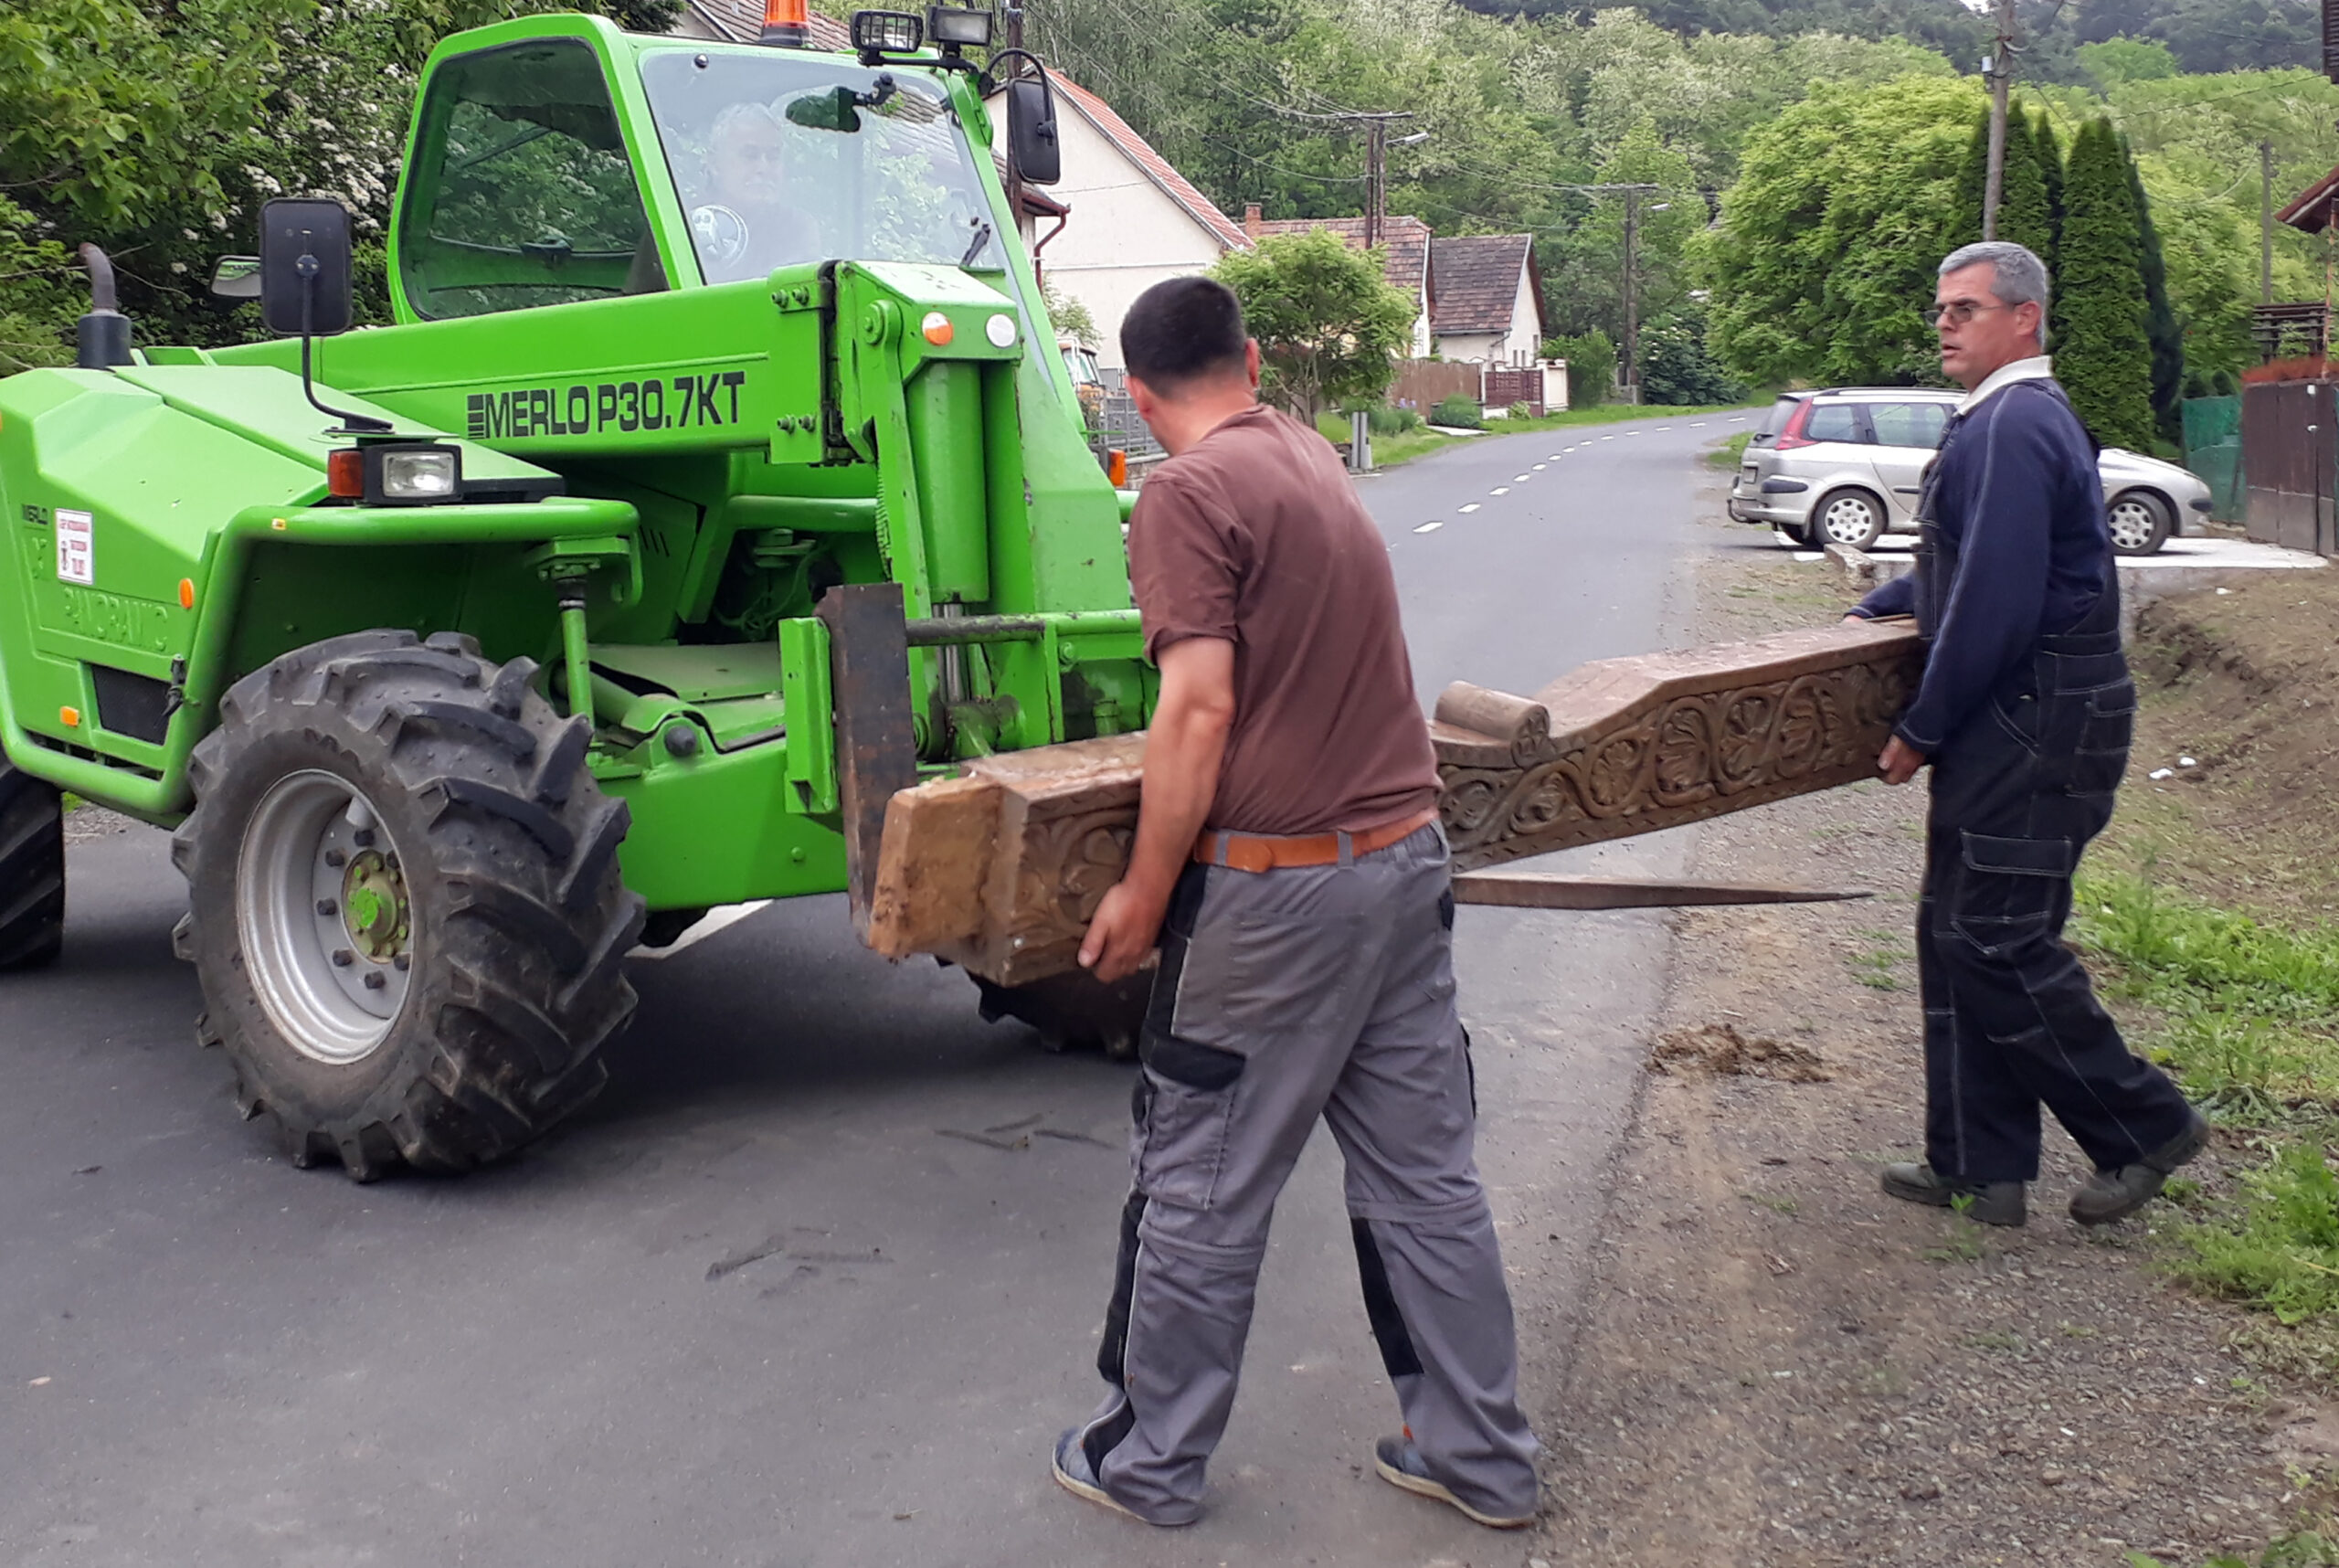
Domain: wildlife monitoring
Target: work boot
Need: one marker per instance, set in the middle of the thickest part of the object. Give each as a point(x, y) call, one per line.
point(1994, 1202)
point(1399, 1464)
point(2111, 1195)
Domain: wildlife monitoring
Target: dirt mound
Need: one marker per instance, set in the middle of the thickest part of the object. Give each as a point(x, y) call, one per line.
point(2246, 730)
point(1719, 1050)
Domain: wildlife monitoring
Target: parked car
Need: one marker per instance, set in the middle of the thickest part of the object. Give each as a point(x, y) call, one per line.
point(1842, 466)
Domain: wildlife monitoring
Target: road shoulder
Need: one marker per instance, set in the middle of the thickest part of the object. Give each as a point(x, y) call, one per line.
point(1780, 1365)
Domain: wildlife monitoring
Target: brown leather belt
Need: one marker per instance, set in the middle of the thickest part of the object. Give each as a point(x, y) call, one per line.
point(1251, 852)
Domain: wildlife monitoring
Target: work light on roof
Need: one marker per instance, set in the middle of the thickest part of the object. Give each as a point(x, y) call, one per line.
point(887, 32)
point(956, 27)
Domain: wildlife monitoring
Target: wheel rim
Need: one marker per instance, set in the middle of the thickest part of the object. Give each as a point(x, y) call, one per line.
point(1848, 520)
point(327, 926)
point(2132, 523)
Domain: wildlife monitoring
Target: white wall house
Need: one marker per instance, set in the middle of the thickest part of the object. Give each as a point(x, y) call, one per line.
point(1490, 301)
point(1135, 221)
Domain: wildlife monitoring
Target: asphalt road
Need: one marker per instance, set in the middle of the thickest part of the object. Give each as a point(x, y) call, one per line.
point(759, 1305)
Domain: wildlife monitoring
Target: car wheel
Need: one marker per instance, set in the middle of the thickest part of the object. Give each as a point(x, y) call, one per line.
point(2141, 523)
point(1849, 517)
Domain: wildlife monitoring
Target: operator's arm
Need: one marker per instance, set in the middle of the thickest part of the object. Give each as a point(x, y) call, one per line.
point(1183, 750)
point(1991, 622)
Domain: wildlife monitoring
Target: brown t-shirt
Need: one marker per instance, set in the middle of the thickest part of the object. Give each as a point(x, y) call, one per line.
point(1252, 535)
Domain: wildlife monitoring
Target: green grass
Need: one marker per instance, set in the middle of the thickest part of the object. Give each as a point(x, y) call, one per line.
point(1727, 456)
point(2246, 1014)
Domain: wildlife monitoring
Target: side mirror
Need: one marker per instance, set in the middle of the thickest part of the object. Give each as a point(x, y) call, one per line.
point(236, 278)
point(1032, 148)
point(304, 267)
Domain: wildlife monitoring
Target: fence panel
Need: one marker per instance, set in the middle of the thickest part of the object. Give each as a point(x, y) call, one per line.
point(2213, 450)
point(1423, 384)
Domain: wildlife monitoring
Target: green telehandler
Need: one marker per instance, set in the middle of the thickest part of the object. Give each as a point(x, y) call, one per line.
point(467, 653)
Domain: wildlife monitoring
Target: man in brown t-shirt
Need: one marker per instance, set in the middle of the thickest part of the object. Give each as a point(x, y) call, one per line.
point(1288, 861)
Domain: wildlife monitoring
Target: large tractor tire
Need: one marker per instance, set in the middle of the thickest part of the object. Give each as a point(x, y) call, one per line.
point(405, 911)
point(1076, 1011)
point(32, 870)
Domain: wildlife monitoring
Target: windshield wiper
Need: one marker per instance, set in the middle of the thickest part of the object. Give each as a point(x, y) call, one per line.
point(982, 238)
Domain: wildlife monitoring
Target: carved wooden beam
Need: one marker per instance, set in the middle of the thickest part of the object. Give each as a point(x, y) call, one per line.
point(1625, 747)
point(1000, 870)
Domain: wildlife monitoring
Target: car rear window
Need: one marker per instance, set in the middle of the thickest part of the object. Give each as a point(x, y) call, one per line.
point(1834, 422)
point(1776, 420)
point(1908, 424)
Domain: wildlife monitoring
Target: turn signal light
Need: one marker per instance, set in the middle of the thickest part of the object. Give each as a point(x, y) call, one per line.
point(938, 329)
point(345, 473)
point(1117, 467)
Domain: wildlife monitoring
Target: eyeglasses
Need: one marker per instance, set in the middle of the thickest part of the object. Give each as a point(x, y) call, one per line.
point(1957, 313)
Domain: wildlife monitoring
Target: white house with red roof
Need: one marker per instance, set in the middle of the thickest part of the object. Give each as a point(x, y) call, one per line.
point(1134, 222)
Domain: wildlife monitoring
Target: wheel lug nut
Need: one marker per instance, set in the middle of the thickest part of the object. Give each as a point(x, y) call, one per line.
point(342, 958)
point(401, 962)
point(327, 906)
point(336, 859)
point(373, 981)
point(364, 837)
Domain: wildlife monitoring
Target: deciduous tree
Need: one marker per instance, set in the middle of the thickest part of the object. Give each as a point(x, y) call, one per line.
point(1329, 326)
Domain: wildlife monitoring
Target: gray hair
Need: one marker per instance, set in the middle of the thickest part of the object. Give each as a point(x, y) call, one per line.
point(2016, 275)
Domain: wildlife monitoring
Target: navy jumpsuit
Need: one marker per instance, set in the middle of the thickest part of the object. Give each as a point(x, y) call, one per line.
point(2025, 713)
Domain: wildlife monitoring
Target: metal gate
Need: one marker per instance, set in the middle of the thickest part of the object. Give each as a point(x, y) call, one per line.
point(2289, 443)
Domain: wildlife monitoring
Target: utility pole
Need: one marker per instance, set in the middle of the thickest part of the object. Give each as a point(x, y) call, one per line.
point(2265, 223)
point(1014, 181)
point(1999, 68)
point(1376, 159)
point(1632, 289)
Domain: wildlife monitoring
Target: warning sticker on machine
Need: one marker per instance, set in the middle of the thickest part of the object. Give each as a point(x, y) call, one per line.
point(76, 552)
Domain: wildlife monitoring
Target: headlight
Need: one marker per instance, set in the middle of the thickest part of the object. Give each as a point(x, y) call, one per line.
point(430, 473)
point(887, 32)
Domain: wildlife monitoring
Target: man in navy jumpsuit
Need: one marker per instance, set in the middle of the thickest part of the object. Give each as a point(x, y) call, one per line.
point(2023, 712)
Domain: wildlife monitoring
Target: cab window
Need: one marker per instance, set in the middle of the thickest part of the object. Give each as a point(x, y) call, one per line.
point(522, 194)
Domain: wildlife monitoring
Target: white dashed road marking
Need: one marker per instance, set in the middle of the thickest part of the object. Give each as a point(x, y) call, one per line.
point(1542, 466)
point(1521, 478)
point(1735, 420)
point(1472, 507)
point(1500, 490)
point(1430, 527)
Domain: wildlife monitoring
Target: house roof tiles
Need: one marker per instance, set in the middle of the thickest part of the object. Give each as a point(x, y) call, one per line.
point(1477, 282)
point(742, 22)
point(1408, 266)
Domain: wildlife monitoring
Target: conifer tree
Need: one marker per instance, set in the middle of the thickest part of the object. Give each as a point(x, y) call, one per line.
point(2024, 214)
point(1973, 176)
point(2160, 319)
point(2102, 356)
point(2050, 166)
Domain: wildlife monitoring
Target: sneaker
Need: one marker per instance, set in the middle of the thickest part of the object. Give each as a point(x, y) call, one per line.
point(1994, 1202)
point(1399, 1464)
point(2111, 1195)
point(1073, 1474)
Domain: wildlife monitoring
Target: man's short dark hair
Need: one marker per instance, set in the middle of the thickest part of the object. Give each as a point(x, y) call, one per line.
point(1183, 330)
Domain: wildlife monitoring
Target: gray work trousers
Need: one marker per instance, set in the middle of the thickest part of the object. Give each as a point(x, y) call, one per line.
point(1284, 996)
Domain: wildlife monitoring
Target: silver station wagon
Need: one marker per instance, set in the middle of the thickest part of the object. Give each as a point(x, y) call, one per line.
point(1842, 466)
